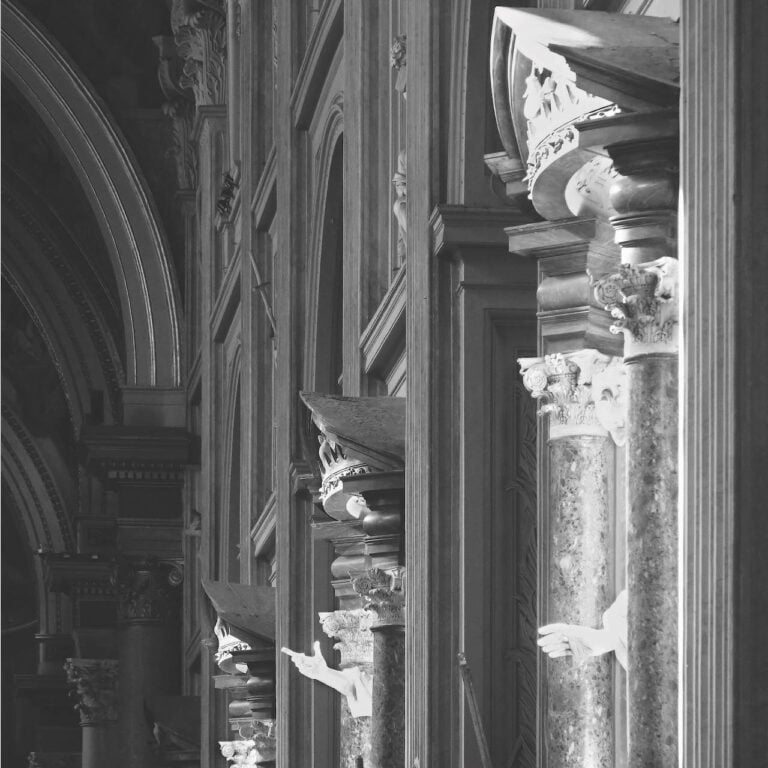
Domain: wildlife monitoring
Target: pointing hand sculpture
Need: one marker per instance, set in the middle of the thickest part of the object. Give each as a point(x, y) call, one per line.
point(581, 642)
point(352, 682)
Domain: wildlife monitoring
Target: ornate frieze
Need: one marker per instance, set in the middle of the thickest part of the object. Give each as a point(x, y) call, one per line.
point(383, 595)
point(95, 682)
point(352, 630)
point(582, 391)
point(148, 591)
point(643, 300)
point(199, 29)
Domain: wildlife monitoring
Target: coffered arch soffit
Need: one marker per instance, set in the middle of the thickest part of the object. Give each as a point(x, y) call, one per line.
point(116, 190)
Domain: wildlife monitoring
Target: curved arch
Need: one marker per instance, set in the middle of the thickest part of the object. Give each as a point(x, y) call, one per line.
point(34, 490)
point(115, 189)
point(74, 331)
point(318, 272)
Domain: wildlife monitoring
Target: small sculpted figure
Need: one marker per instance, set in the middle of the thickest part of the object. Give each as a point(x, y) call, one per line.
point(352, 682)
point(559, 640)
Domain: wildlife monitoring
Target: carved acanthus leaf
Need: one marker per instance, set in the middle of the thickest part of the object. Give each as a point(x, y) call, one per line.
point(575, 388)
point(383, 594)
point(643, 300)
point(352, 629)
point(95, 682)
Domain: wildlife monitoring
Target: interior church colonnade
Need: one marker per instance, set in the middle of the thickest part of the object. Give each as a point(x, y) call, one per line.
point(384, 383)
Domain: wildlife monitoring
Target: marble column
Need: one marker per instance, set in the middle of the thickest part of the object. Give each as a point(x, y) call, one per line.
point(643, 300)
point(148, 646)
point(94, 682)
point(355, 644)
point(383, 595)
point(578, 529)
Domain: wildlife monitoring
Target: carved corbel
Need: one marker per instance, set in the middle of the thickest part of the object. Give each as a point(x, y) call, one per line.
point(578, 390)
point(643, 300)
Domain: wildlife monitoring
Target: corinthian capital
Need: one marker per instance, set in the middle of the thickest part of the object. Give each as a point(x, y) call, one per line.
point(643, 299)
point(383, 594)
point(148, 591)
point(94, 682)
point(352, 630)
point(567, 386)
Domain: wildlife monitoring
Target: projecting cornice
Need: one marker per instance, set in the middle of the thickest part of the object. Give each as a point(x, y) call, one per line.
point(569, 84)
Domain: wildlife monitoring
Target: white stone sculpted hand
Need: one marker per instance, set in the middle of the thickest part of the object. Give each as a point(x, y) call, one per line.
point(350, 682)
point(559, 640)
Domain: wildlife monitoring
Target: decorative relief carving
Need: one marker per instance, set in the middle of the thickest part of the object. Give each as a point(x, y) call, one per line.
point(226, 196)
point(399, 181)
point(334, 467)
point(148, 591)
point(199, 29)
point(227, 642)
point(95, 682)
point(398, 62)
point(383, 595)
point(582, 391)
point(257, 750)
point(551, 104)
point(183, 150)
point(643, 299)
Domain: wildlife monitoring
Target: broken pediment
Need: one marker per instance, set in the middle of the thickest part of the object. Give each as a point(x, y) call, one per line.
point(568, 84)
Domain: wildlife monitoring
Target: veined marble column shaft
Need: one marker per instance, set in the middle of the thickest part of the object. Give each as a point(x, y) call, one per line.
point(579, 696)
point(643, 300)
point(352, 629)
point(95, 682)
point(384, 597)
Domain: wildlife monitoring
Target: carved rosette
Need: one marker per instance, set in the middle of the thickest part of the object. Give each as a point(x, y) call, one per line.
point(383, 595)
point(95, 683)
point(643, 300)
point(199, 30)
point(582, 392)
point(352, 630)
point(148, 591)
